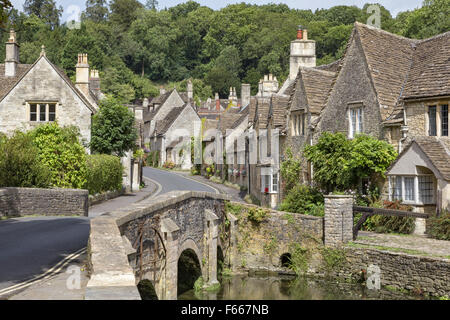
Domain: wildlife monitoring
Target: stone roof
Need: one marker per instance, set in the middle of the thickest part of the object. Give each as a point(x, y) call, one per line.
point(278, 110)
point(388, 58)
point(242, 116)
point(161, 126)
point(8, 83)
point(226, 120)
point(317, 84)
point(263, 112)
point(437, 151)
point(162, 98)
point(430, 70)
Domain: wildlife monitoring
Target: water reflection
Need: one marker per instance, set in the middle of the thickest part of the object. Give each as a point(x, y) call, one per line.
point(288, 288)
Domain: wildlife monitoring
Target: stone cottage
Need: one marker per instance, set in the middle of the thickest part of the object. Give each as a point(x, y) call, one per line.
point(32, 94)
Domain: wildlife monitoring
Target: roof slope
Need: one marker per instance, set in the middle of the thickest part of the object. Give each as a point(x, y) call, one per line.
point(317, 84)
point(163, 125)
point(438, 152)
point(278, 110)
point(388, 58)
point(7, 83)
point(430, 71)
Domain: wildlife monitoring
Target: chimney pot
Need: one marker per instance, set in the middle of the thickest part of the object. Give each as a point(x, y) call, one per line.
point(299, 33)
point(305, 34)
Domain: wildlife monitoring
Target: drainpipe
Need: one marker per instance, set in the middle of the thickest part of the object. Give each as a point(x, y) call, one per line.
point(404, 129)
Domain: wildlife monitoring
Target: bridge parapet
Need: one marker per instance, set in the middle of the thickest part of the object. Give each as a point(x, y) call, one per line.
point(145, 240)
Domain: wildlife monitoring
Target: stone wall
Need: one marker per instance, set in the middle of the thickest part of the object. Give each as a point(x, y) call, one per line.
point(259, 246)
point(49, 202)
point(400, 271)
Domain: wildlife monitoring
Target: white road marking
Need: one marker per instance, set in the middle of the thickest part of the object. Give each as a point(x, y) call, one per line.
point(49, 273)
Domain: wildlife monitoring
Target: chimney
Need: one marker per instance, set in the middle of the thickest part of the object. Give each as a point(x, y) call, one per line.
point(190, 90)
point(303, 53)
point(12, 55)
point(82, 73)
point(145, 104)
point(94, 81)
point(217, 102)
point(245, 94)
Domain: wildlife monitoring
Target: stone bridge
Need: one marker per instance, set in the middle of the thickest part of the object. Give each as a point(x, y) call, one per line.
point(146, 240)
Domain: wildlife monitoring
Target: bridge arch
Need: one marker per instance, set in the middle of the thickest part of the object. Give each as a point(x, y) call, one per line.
point(190, 244)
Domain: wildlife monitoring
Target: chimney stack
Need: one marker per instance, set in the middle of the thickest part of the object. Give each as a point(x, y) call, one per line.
point(245, 94)
point(82, 73)
point(190, 90)
point(303, 53)
point(12, 55)
point(94, 81)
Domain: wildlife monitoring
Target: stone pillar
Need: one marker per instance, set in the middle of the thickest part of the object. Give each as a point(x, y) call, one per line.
point(136, 177)
point(233, 260)
point(338, 226)
point(212, 231)
point(167, 288)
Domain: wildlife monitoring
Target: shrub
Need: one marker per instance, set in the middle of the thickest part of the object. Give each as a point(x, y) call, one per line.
point(389, 224)
point(305, 200)
point(61, 152)
point(19, 163)
point(169, 165)
point(104, 173)
point(439, 227)
point(257, 215)
point(290, 170)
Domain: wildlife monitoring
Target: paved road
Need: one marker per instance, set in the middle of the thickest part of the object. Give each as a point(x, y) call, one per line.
point(31, 245)
point(171, 181)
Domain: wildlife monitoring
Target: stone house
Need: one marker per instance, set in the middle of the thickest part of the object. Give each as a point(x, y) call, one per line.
point(420, 175)
point(32, 94)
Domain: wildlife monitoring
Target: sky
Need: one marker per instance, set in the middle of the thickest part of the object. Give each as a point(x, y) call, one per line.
point(73, 7)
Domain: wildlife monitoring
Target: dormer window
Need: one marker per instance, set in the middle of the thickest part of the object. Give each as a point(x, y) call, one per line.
point(42, 112)
point(355, 117)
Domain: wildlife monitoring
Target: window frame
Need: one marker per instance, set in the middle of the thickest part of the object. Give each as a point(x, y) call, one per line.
point(356, 111)
point(267, 181)
point(417, 195)
point(42, 108)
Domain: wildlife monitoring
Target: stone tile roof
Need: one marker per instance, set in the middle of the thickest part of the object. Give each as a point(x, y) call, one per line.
point(317, 84)
point(332, 67)
point(430, 70)
point(243, 114)
point(436, 149)
point(7, 83)
point(263, 112)
point(226, 120)
point(388, 58)
point(278, 111)
point(161, 126)
point(162, 98)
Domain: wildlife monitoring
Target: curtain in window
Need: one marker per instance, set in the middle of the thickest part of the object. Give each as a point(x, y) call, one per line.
point(409, 189)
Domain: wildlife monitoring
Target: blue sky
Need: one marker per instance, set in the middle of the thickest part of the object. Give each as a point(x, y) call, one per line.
point(394, 6)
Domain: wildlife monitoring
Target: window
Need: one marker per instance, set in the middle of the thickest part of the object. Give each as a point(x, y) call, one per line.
point(409, 188)
point(269, 183)
point(432, 121)
point(33, 112)
point(356, 121)
point(396, 185)
point(42, 112)
point(406, 188)
point(51, 112)
point(298, 124)
point(444, 120)
point(426, 189)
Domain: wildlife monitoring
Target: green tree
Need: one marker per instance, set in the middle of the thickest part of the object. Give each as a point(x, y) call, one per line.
point(5, 5)
point(124, 12)
point(339, 163)
point(19, 163)
point(151, 4)
point(45, 10)
point(96, 10)
point(113, 129)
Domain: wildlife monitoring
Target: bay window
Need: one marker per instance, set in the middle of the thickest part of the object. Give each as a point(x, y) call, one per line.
point(418, 189)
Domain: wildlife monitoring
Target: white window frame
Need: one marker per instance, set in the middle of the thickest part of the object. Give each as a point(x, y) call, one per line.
point(416, 190)
point(267, 181)
point(358, 125)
